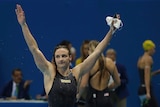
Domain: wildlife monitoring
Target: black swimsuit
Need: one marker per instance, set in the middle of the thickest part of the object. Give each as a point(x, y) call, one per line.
point(142, 92)
point(96, 98)
point(63, 91)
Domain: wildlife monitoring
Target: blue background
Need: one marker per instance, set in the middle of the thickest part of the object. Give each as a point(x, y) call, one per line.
point(52, 21)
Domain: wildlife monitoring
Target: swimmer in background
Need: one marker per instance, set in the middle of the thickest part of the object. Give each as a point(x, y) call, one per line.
point(144, 66)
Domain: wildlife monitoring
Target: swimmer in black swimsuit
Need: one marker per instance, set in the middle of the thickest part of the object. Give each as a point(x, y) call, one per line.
point(59, 80)
point(144, 65)
point(63, 91)
point(98, 94)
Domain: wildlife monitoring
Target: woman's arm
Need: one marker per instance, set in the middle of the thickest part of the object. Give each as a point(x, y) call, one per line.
point(83, 83)
point(89, 62)
point(155, 72)
point(38, 56)
point(147, 76)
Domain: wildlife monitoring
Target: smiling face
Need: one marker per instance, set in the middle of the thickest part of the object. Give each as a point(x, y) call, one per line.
point(62, 57)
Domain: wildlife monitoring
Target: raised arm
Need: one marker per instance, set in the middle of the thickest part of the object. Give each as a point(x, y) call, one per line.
point(39, 58)
point(88, 63)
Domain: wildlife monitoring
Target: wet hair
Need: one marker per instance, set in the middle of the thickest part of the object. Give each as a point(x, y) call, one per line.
point(65, 42)
point(58, 47)
point(148, 44)
point(102, 63)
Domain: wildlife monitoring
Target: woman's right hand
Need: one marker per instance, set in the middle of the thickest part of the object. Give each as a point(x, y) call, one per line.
point(20, 14)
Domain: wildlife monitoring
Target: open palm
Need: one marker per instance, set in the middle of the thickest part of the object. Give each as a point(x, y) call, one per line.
point(20, 14)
